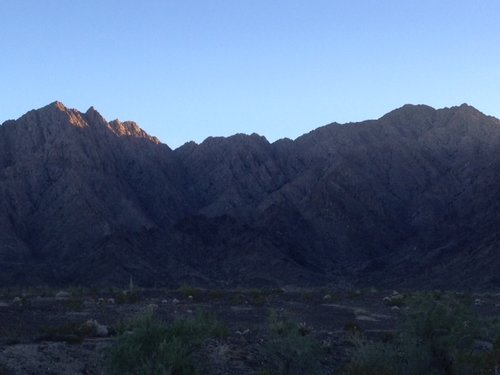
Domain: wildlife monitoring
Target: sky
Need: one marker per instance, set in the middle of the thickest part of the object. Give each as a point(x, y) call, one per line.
point(185, 70)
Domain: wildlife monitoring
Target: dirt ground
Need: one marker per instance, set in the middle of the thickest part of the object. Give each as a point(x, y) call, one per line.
point(37, 330)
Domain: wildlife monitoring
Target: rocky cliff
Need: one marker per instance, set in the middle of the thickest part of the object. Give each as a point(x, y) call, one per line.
point(408, 198)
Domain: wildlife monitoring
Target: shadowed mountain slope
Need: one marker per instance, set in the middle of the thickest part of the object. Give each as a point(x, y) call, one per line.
point(408, 198)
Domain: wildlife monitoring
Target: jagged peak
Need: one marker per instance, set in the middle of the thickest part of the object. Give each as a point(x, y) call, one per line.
point(241, 137)
point(466, 108)
point(130, 129)
point(94, 117)
point(56, 112)
point(58, 105)
point(409, 110)
point(54, 106)
point(91, 110)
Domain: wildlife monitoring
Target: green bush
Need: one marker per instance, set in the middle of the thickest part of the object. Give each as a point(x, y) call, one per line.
point(236, 299)
point(352, 327)
point(151, 346)
point(188, 290)
point(215, 294)
point(127, 297)
point(437, 336)
point(290, 350)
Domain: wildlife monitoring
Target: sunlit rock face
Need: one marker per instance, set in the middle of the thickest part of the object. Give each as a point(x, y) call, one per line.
point(410, 198)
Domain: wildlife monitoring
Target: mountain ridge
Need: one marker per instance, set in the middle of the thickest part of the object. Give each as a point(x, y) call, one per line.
point(406, 198)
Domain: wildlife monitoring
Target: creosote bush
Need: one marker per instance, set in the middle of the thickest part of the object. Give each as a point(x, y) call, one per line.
point(127, 297)
point(151, 346)
point(438, 335)
point(188, 290)
point(290, 350)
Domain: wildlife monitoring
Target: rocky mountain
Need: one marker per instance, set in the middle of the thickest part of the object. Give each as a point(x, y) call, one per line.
point(410, 198)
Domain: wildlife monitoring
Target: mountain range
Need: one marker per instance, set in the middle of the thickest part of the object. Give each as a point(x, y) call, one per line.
point(410, 199)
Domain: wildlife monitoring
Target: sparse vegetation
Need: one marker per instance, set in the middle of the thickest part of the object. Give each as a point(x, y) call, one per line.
point(433, 333)
point(352, 327)
point(215, 294)
point(10, 335)
point(307, 296)
point(439, 335)
point(127, 297)
point(74, 304)
point(237, 299)
point(190, 291)
point(290, 349)
point(259, 299)
point(71, 333)
point(151, 346)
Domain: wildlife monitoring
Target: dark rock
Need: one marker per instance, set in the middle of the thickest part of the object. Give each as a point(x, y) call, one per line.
point(409, 199)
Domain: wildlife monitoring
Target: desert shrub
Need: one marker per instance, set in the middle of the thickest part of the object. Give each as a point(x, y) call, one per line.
point(354, 293)
point(307, 296)
point(437, 336)
point(188, 290)
point(290, 350)
point(11, 334)
point(259, 299)
point(237, 299)
point(71, 333)
point(352, 327)
point(78, 291)
point(74, 304)
point(151, 346)
point(261, 296)
point(127, 297)
point(215, 294)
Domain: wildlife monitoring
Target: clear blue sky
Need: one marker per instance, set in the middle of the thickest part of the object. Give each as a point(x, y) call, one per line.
point(187, 69)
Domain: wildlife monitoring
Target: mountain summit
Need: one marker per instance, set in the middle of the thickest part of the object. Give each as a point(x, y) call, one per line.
point(409, 198)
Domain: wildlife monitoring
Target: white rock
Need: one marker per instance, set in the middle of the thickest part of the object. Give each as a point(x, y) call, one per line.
point(243, 333)
point(101, 330)
point(95, 328)
point(397, 297)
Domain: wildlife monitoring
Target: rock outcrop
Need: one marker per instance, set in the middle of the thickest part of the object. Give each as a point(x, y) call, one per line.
point(408, 198)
